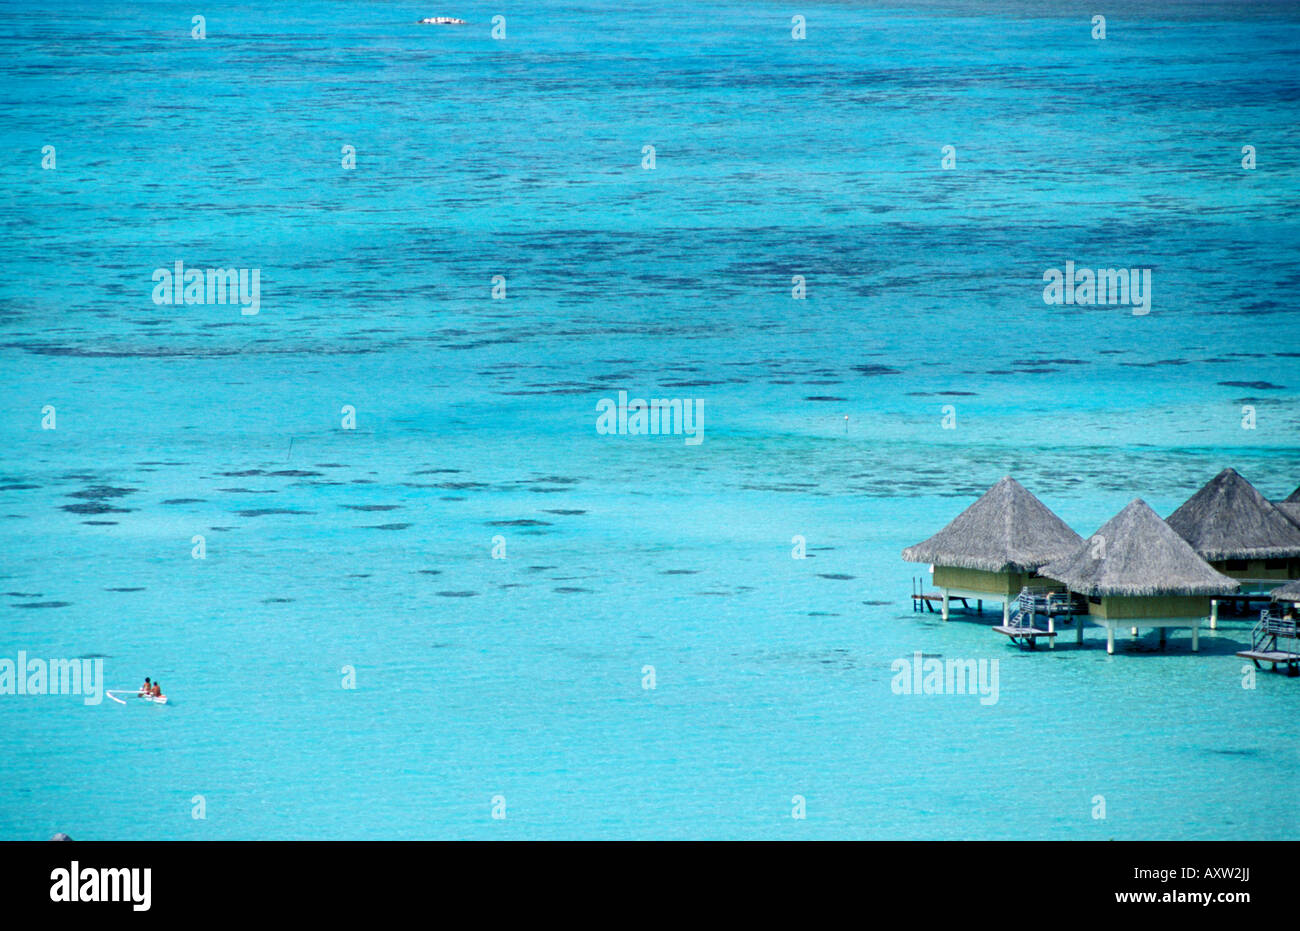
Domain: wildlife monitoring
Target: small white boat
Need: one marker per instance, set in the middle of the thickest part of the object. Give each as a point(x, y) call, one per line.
point(441, 21)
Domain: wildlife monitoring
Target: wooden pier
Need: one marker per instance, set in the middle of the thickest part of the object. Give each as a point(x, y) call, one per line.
point(926, 601)
point(1022, 627)
point(1265, 648)
point(1027, 636)
point(1277, 657)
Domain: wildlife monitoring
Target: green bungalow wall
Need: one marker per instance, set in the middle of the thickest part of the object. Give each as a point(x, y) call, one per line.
point(998, 585)
point(1113, 607)
point(1281, 569)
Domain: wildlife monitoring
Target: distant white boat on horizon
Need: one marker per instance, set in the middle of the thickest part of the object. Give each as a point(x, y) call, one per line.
point(441, 21)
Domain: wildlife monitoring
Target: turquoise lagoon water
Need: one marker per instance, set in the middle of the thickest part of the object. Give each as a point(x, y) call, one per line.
point(522, 677)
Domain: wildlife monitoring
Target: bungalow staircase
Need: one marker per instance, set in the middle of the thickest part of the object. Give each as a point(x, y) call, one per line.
point(1020, 626)
point(1023, 619)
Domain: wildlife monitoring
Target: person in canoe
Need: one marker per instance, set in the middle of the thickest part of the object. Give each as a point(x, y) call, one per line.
point(157, 691)
point(147, 688)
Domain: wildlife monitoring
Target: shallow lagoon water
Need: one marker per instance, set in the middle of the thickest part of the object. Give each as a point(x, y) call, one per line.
point(522, 677)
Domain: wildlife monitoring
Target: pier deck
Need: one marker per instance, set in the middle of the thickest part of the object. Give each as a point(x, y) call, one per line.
point(1276, 657)
point(1022, 626)
point(927, 601)
point(1026, 637)
point(1273, 626)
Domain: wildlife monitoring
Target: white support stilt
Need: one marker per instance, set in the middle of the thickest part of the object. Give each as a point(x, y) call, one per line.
point(1051, 629)
point(945, 604)
point(1110, 638)
point(1134, 631)
point(1006, 613)
point(1196, 637)
point(1214, 614)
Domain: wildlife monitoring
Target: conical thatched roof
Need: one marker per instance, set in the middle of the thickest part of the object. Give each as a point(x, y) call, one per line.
point(1230, 519)
point(1006, 530)
point(1290, 506)
point(1288, 592)
point(1136, 553)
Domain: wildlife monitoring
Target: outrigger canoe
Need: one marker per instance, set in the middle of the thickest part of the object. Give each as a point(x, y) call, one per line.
point(113, 693)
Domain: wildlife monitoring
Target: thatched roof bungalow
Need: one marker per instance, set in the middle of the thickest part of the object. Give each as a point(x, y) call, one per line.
point(993, 548)
point(1136, 570)
point(1289, 592)
point(1239, 531)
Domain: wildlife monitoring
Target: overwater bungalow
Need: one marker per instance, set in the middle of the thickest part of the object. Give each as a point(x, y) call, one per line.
point(994, 548)
point(1137, 572)
point(1240, 532)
